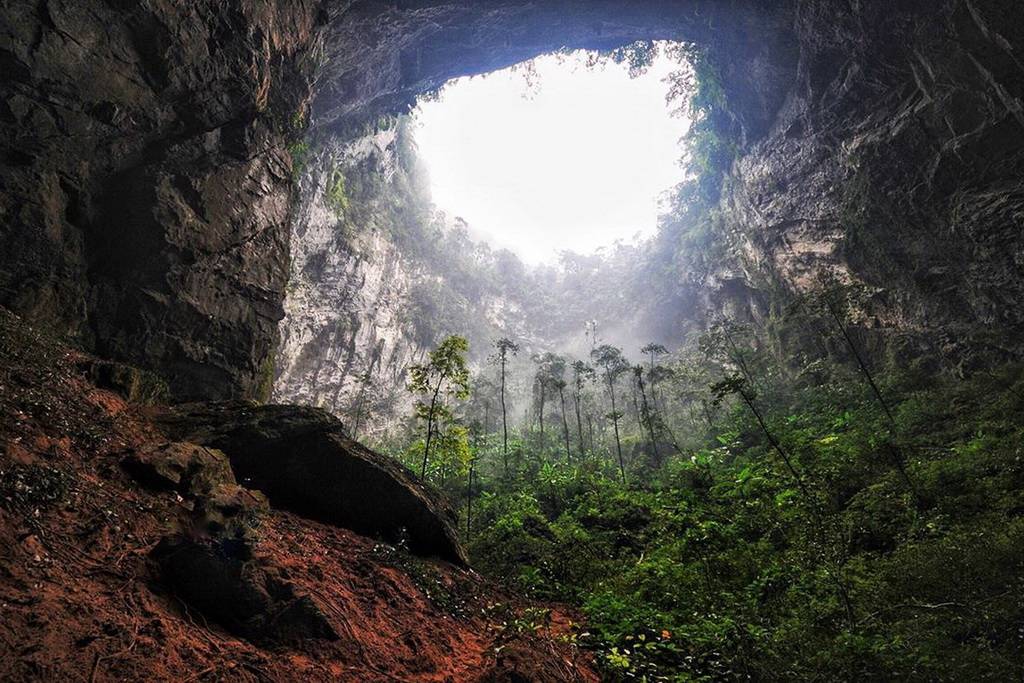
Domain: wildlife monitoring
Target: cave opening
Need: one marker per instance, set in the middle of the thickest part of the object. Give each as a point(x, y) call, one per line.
point(566, 152)
point(532, 202)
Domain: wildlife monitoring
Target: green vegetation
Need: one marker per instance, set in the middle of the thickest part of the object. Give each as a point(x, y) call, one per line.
point(444, 378)
point(265, 379)
point(299, 152)
point(777, 538)
point(337, 199)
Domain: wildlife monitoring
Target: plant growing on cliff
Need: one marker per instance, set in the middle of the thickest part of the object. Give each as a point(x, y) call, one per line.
point(337, 197)
point(444, 377)
point(299, 153)
point(712, 134)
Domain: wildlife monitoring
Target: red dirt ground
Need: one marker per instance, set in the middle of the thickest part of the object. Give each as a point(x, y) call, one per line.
point(80, 600)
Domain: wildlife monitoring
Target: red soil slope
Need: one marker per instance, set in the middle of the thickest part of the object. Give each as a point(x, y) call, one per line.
point(81, 598)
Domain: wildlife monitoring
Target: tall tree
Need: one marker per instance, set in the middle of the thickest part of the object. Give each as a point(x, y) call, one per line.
point(444, 376)
point(591, 333)
point(581, 374)
point(550, 369)
point(560, 385)
point(638, 372)
point(636, 404)
point(551, 372)
point(609, 359)
point(652, 351)
point(505, 349)
point(835, 298)
point(485, 396)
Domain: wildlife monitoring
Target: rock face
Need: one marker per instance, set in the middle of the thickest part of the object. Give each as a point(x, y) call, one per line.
point(380, 57)
point(145, 179)
point(896, 162)
point(147, 185)
point(347, 337)
point(303, 461)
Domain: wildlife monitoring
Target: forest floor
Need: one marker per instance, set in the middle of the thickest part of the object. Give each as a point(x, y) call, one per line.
point(82, 599)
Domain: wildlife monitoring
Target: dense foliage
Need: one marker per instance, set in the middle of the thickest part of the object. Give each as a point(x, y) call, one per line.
point(726, 562)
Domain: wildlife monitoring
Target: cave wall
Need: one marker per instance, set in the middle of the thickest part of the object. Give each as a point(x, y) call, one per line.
point(897, 163)
point(347, 339)
point(380, 57)
point(146, 185)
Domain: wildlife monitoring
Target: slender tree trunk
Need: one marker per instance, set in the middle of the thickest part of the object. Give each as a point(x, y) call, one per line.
point(738, 357)
point(657, 405)
point(565, 423)
point(579, 424)
point(430, 427)
point(654, 389)
point(469, 496)
point(647, 417)
point(707, 414)
point(895, 454)
point(615, 425)
point(540, 416)
point(636, 408)
point(504, 419)
point(778, 448)
point(590, 429)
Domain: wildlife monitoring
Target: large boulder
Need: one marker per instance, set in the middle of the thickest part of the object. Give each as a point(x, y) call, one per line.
point(303, 460)
point(221, 509)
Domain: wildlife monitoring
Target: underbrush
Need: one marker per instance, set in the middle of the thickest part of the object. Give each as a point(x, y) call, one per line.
point(720, 565)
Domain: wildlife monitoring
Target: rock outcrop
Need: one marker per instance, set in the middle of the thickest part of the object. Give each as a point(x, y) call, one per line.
point(249, 598)
point(896, 163)
point(145, 181)
point(210, 563)
point(302, 459)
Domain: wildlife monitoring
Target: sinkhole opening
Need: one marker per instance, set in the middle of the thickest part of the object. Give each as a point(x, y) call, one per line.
point(538, 204)
point(567, 152)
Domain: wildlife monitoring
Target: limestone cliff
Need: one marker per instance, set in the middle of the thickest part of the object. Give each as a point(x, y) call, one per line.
point(347, 338)
point(896, 162)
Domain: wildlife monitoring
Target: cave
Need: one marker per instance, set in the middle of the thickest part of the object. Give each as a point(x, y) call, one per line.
point(204, 312)
point(182, 132)
point(166, 175)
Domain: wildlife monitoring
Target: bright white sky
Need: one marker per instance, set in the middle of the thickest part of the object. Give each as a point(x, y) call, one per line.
point(575, 162)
